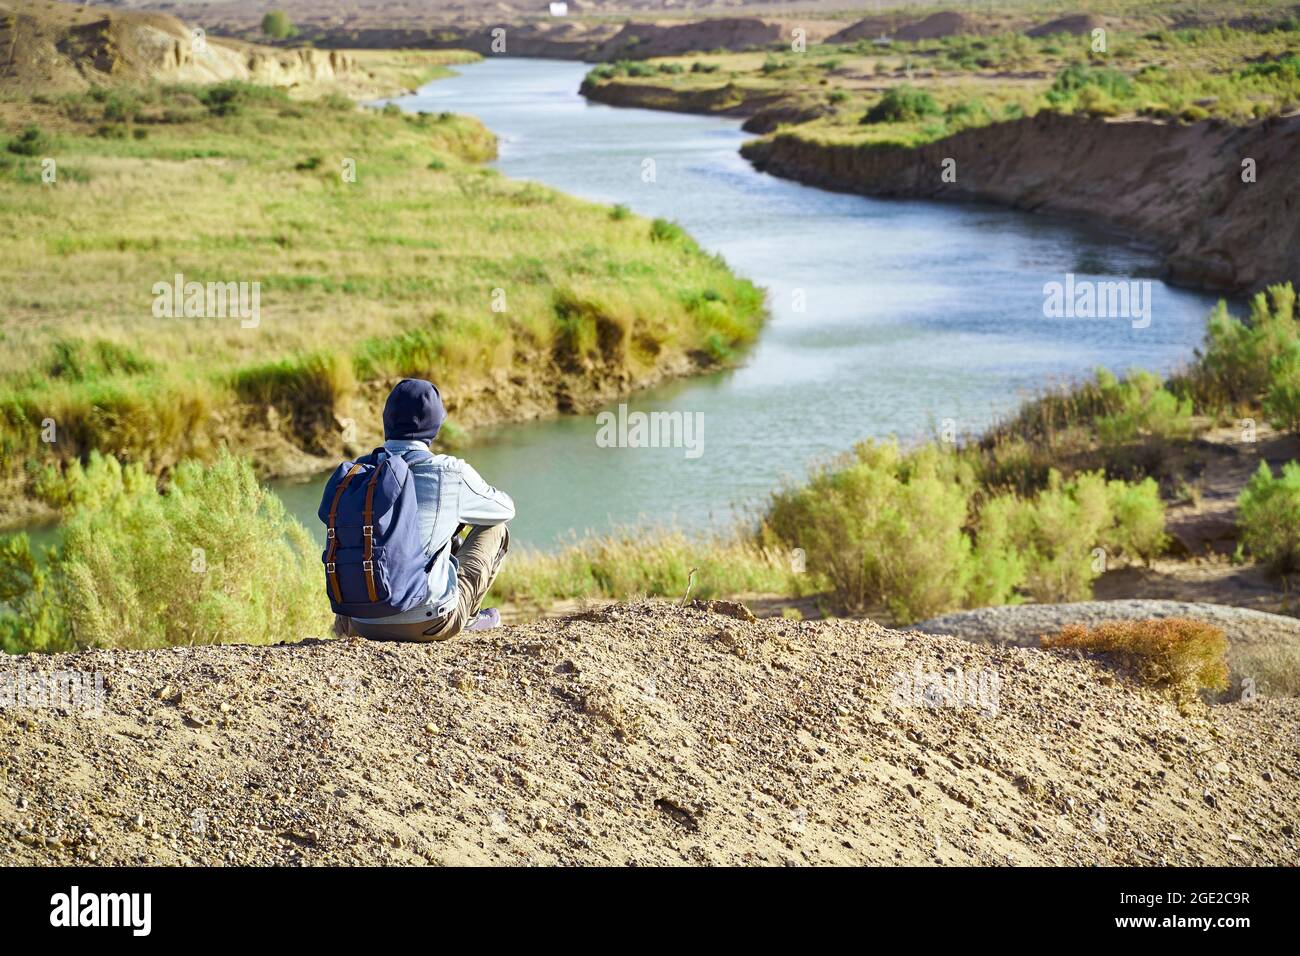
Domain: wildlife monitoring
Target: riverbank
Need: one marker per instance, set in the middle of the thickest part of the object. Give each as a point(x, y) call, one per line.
point(326, 252)
point(1145, 139)
point(1158, 182)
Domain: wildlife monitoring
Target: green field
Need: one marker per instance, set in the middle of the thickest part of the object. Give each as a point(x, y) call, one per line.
point(381, 246)
point(916, 92)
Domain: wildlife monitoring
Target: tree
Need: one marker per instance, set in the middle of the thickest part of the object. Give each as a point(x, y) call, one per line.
point(277, 25)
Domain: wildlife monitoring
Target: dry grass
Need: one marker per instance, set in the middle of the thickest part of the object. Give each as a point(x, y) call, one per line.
point(1176, 654)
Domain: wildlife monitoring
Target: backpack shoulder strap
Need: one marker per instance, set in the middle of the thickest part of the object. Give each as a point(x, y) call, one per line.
point(368, 532)
point(330, 533)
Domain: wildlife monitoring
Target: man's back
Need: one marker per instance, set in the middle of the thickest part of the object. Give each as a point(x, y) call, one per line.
point(449, 493)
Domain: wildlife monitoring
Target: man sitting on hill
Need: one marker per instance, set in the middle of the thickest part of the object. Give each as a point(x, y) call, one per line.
point(365, 547)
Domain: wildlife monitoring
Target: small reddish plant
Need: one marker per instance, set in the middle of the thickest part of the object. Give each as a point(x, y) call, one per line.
point(1175, 653)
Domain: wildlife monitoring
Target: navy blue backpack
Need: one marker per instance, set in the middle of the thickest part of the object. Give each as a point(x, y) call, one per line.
point(375, 564)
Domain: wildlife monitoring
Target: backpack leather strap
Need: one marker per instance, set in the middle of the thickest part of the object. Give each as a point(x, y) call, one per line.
point(330, 533)
point(368, 534)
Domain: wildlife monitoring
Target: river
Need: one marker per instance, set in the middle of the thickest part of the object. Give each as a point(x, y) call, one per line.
point(912, 313)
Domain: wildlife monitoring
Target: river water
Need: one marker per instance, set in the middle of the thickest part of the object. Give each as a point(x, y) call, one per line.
point(913, 313)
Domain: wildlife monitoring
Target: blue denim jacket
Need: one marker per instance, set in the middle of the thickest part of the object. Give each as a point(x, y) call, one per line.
point(449, 493)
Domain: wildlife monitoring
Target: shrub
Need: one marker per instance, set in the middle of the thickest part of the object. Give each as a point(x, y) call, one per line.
point(1095, 101)
point(917, 534)
point(1236, 362)
point(665, 230)
point(1282, 401)
point(883, 529)
point(277, 25)
point(1177, 654)
point(902, 104)
point(1053, 535)
point(1137, 527)
point(215, 559)
point(1268, 517)
point(121, 106)
point(1073, 80)
point(30, 142)
point(973, 112)
point(1140, 407)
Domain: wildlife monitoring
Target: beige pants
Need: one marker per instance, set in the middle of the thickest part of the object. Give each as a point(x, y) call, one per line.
point(479, 561)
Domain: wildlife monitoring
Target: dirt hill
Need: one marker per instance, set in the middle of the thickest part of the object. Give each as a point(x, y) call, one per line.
point(1139, 178)
point(46, 45)
point(639, 734)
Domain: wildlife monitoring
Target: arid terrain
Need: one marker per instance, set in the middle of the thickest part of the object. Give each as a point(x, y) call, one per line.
point(641, 734)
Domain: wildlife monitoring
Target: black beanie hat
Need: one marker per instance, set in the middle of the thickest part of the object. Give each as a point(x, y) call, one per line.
point(413, 411)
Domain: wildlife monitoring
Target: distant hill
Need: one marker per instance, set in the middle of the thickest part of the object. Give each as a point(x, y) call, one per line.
point(48, 45)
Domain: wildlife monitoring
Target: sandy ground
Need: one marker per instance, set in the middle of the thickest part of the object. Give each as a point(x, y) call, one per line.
point(640, 734)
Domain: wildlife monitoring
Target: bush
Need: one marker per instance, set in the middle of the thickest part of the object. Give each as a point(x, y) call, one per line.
point(973, 112)
point(1095, 101)
point(1054, 545)
point(917, 534)
point(1282, 401)
point(1073, 80)
point(902, 104)
point(277, 25)
point(215, 559)
point(665, 230)
point(1177, 654)
point(30, 142)
point(1137, 527)
point(1053, 536)
point(1140, 407)
point(883, 529)
point(1268, 517)
point(1236, 363)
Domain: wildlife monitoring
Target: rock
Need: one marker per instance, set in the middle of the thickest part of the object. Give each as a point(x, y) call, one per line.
point(731, 609)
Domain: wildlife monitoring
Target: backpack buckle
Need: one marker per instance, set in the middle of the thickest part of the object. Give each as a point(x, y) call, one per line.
point(368, 566)
point(368, 530)
point(329, 533)
point(329, 567)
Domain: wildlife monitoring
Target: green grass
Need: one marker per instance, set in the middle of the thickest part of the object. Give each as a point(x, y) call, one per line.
point(394, 274)
point(213, 559)
point(942, 86)
point(634, 563)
